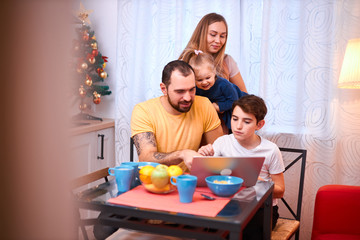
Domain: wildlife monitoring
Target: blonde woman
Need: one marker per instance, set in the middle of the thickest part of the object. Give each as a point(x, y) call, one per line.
point(210, 36)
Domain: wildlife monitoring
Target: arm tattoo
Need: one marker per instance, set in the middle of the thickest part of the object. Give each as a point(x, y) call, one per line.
point(160, 156)
point(142, 139)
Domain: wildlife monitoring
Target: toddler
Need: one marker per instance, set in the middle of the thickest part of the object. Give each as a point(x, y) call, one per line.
point(220, 91)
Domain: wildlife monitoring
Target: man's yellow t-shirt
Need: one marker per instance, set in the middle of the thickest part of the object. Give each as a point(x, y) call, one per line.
point(175, 132)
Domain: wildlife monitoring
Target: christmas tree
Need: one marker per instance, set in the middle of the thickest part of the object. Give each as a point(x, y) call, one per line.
point(90, 65)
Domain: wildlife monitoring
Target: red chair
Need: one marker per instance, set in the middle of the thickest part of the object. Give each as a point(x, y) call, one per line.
point(337, 213)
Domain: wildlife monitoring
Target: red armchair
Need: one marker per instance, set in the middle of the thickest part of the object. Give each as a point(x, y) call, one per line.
point(337, 213)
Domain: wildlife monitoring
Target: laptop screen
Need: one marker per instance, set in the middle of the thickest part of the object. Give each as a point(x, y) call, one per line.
point(248, 168)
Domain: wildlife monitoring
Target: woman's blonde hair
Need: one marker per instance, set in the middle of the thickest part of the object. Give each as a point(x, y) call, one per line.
point(197, 58)
point(198, 40)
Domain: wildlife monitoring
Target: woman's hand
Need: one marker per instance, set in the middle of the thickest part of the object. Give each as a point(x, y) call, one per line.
point(206, 150)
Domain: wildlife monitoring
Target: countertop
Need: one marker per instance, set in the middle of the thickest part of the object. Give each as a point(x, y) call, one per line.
point(86, 126)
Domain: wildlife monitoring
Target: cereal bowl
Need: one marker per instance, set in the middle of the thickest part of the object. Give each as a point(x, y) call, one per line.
point(224, 186)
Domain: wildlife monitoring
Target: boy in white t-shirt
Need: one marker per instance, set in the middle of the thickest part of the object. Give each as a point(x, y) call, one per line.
point(248, 117)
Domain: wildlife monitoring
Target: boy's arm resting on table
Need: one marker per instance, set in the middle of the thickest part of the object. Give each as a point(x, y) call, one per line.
point(279, 185)
point(146, 148)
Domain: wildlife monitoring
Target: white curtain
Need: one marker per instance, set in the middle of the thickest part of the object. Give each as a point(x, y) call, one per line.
point(289, 52)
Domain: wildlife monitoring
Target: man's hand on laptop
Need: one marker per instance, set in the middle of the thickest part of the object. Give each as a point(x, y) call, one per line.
point(187, 156)
point(206, 150)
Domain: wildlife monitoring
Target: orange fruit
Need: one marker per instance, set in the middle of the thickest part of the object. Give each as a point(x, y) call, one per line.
point(174, 170)
point(145, 174)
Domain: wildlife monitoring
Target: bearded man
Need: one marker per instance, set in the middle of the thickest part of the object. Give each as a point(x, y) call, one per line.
point(170, 129)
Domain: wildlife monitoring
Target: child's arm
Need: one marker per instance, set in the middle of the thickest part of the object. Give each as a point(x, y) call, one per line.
point(229, 96)
point(216, 106)
point(229, 93)
point(206, 150)
point(279, 185)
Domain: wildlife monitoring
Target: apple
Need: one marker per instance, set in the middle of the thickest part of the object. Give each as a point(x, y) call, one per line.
point(161, 166)
point(159, 176)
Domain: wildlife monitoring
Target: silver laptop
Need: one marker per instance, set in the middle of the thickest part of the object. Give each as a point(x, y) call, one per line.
point(248, 168)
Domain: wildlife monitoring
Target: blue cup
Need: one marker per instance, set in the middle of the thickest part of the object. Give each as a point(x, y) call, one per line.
point(135, 179)
point(123, 176)
point(186, 185)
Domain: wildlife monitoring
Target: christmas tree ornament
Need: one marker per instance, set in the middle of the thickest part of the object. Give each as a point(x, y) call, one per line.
point(89, 55)
point(99, 70)
point(86, 37)
point(82, 91)
point(104, 65)
point(103, 74)
point(96, 98)
point(93, 37)
point(84, 65)
point(92, 60)
point(83, 14)
point(94, 45)
point(95, 52)
point(88, 80)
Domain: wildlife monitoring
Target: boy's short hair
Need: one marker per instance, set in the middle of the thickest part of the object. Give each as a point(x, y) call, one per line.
point(252, 104)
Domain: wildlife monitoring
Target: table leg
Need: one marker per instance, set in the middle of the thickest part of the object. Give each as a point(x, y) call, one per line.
point(235, 236)
point(268, 217)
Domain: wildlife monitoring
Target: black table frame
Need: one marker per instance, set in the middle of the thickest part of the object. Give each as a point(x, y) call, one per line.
point(178, 224)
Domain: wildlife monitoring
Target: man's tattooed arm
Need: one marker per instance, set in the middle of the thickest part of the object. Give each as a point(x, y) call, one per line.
point(146, 148)
point(143, 139)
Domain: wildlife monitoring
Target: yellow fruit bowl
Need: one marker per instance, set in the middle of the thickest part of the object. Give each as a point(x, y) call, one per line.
point(167, 189)
point(157, 179)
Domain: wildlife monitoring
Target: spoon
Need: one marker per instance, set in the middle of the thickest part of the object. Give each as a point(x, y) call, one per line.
point(212, 198)
point(207, 197)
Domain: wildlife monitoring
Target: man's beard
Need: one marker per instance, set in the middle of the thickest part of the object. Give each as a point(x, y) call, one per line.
point(177, 106)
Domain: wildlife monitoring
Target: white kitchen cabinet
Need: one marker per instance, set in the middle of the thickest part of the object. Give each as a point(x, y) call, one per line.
point(92, 147)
